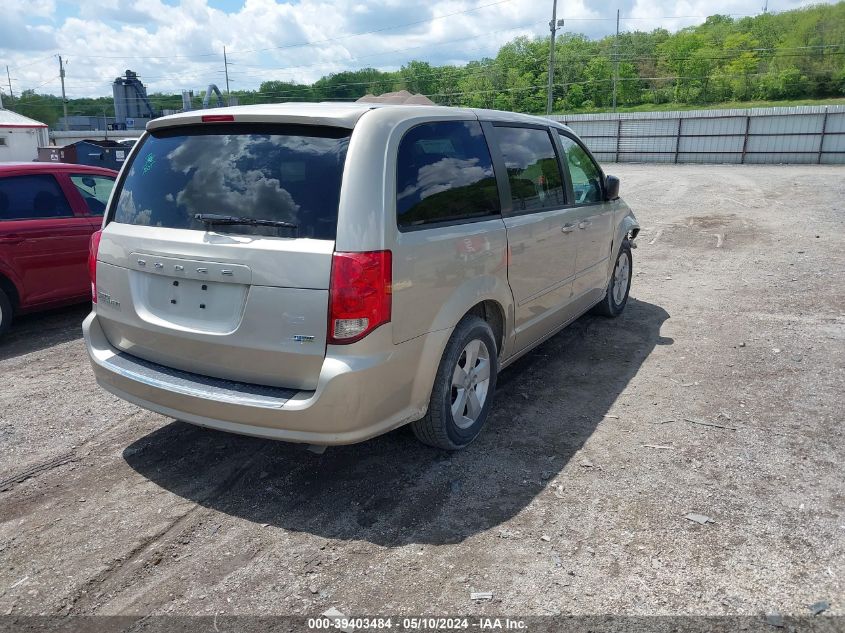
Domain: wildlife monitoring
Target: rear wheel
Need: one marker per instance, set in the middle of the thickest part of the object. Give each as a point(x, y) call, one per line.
point(619, 285)
point(5, 312)
point(463, 388)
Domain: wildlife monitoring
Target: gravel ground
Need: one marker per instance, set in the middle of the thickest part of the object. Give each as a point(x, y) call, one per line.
point(715, 393)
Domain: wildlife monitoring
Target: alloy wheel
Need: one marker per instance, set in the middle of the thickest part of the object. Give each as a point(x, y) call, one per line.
point(470, 383)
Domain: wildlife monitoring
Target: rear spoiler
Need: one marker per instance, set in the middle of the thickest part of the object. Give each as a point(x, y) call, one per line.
point(328, 117)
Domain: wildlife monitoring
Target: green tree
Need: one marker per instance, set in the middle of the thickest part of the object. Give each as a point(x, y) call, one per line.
point(744, 62)
point(575, 97)
point(599, 77)
point(677, 58)
point(419, 78)
point(44, 108)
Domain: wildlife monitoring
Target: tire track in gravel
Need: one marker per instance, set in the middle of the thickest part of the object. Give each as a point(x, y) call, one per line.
point(125, 573)
point(33, 471)
point(52, 467)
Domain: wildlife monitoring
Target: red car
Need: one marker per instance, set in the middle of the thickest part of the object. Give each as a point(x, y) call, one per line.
point(48, 212)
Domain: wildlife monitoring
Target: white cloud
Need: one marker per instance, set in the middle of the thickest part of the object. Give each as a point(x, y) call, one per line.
point(180, 47)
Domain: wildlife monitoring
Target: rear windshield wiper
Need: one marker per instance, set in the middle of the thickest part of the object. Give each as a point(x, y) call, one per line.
point(214, 218)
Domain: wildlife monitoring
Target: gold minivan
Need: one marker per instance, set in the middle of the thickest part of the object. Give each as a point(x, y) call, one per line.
point(324, 273)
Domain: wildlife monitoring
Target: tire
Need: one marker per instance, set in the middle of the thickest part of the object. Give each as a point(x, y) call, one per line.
point(614, 300)
point(441, 428)
point(5, 312)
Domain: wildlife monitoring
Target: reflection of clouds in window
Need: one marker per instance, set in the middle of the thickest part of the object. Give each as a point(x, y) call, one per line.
point(128, 211)
point(474, 129)
point(219, 183)
point(519, 156)
point(308, 144)
point(253, 174)
point(445, 174)
point(522, 147)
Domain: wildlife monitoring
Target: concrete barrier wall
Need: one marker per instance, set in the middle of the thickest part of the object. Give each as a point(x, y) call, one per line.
point(60, 137)
point(802, 134)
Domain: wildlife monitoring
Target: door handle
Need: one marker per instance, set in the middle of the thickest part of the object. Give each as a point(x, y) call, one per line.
point(567, 228)
point(584, 224)
point(11, 239)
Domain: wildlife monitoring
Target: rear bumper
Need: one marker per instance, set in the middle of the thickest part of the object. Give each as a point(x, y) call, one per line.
point(364, 390)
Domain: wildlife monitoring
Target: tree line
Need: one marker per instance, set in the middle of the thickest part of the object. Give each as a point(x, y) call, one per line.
point(792, 55)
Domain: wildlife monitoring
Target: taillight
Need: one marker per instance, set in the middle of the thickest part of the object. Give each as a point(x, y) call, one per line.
point(93, 247)
point(217, 118)
point(359, 294)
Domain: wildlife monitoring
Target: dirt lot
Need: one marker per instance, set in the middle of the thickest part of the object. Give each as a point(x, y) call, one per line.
point(715, 393)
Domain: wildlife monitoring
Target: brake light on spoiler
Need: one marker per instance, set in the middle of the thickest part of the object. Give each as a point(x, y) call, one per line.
point(218, 118)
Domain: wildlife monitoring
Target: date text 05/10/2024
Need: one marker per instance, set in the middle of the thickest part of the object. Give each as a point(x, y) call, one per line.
point(344, 623)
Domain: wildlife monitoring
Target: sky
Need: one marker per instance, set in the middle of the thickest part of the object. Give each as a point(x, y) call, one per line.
point(175, 46)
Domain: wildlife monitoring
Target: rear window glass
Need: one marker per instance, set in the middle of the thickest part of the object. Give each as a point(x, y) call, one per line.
point(280, 173)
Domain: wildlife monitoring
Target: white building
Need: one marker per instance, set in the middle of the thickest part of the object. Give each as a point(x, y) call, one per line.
point(20, 137)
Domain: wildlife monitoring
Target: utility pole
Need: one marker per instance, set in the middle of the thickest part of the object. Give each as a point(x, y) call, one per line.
point(9, 77)
point(616, 60)
point(553, 29)
point(64, 100)
point(226, 67)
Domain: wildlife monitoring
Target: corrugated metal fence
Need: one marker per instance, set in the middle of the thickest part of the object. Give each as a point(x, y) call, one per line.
point(802, 134)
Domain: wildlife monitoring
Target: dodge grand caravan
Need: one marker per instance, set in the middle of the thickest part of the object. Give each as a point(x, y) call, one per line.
point(324, 273)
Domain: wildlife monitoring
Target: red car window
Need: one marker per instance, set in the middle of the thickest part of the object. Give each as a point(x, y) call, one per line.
point(94, 189)
point(32, 197)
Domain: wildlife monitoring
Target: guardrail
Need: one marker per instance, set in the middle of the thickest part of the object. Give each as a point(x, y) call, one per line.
point(801, 134)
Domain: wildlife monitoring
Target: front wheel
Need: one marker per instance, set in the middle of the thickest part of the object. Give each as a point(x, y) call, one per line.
point(619, 285)
point(463, 388)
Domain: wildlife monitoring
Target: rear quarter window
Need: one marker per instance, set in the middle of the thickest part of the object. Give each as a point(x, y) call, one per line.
point(266, 172)
point(444, 173)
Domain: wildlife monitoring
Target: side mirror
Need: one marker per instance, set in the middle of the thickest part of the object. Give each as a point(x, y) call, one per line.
point(89, 182)
point(611, 187)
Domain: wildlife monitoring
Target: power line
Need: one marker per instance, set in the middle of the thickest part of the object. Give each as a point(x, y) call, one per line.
point(260, 71)
point(538, 58)
point(32, 63)
point(463, 73)
point(539, 87)
point(198, 55)
point(661, 17)
point(489, 67)
point(777, 55)
point(52, 79)
point(489, 70)
point(536, 87)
